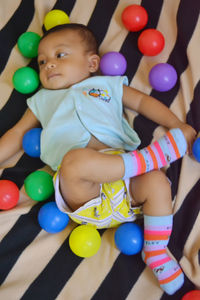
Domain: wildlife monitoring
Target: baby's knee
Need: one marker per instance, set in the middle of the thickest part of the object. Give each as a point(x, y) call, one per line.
point(158, 175)
point(158, 179)
point(151, 183)
point(72, 163)
point(69, 163)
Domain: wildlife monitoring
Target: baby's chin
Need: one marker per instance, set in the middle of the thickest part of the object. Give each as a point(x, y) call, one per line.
point(54, 86)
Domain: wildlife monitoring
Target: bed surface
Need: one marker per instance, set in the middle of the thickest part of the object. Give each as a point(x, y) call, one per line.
point(38, 265)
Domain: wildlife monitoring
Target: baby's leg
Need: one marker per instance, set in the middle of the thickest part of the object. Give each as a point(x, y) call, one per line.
point(82, 171)
point(154, 191)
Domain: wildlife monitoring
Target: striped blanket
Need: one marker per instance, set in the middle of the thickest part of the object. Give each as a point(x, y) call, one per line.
point(38, 265)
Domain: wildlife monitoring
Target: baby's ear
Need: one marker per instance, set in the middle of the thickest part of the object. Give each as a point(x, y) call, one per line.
point(94, 61)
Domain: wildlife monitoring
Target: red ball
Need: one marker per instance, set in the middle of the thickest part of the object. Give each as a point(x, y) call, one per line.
point(151, 42)
point(134, 17)
point(193, 295)
point(9, 194)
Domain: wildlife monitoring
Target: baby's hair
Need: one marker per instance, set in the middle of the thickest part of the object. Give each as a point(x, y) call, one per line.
point(85, 33)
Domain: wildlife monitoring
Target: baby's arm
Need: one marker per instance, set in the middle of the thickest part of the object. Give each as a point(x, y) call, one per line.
point(157, 112)
point(11, 141)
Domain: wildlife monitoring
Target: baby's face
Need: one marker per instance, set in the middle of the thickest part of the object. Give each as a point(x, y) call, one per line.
point(63, 60)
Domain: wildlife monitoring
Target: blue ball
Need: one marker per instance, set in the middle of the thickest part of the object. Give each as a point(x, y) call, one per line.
point(196, 149)
point(31, 142)
point(51, 219)
point(129, 238)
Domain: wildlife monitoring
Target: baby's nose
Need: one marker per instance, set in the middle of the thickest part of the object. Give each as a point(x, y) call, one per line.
point(50, 65)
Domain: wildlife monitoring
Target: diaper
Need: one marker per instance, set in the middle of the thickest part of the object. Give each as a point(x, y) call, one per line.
point(111, 208)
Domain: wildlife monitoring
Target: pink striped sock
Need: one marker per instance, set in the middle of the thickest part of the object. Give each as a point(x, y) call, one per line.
point(166, 150)
point(157, 231)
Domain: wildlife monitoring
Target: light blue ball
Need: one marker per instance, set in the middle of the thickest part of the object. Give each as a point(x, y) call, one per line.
point(51, 219)
point(129, 238)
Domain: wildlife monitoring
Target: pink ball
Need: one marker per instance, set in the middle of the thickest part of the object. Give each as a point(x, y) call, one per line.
point(134, 17)
point(113, 64)
point(151, 42)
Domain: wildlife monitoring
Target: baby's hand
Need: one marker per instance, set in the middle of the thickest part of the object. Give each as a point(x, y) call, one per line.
point(190, 136)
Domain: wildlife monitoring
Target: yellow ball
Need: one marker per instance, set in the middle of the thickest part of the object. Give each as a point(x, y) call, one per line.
point(54, 18)
point(85, 241)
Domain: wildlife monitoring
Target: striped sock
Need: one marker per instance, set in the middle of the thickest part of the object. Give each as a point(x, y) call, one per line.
point(157, 231)
point(167, 149)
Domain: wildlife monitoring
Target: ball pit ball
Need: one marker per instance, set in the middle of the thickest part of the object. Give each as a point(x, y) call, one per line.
point(151, 42)
point(39, 185)
point(196, 149)
point(192, 295)
point(51, 219)
point(31, 142)
point(113, 64)
point(85, 241)
point(25, 80)
point(9, 194)
point(163, 77)
point(134, 17)
point(54, 18)
point(129, 238)
point(28, 44)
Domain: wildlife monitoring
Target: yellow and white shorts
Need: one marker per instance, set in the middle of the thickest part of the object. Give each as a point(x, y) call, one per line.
point(111, 208)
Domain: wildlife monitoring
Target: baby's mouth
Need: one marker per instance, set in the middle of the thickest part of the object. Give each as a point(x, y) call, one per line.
point(52, 75)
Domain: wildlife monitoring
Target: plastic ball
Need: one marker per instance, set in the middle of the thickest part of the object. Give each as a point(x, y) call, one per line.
point(113, 64)
point(9, 194)
point(54, 18)
point(192, 295)
point(28, 44)
point(134, 17)
point(151, 42)
point(51, 219)
point(39, 185)
point(129, 238)
point(196, 149)
point(85, 241)
point(163, 77)
point(31, 142)
point(26, 80)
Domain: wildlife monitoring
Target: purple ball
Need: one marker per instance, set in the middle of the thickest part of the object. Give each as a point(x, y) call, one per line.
point(113, 64)
point(162, 77)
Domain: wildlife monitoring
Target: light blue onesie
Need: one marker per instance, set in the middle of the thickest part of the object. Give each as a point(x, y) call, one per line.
point(70, 116)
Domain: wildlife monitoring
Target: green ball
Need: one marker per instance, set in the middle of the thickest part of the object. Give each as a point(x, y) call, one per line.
point(39, 185)
point(28, 44)
point(26, 80)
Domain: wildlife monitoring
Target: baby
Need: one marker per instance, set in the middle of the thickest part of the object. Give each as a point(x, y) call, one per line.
point(87, 140)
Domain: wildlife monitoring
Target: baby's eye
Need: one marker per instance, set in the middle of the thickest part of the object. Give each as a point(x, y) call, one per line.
point(41, 62)
point(61, 54)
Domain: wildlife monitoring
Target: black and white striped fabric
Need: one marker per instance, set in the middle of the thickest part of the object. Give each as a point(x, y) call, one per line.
point(38, 265)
